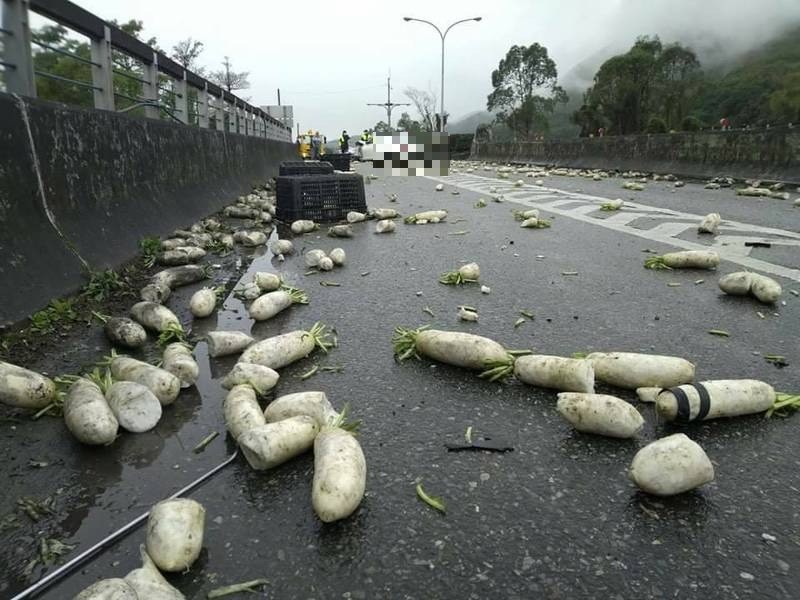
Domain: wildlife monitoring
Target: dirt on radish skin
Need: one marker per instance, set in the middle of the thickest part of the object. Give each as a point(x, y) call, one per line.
point(179, 276)
point(108, 589)
point(765, 289)
point(631, 370)
point(224, 343)
point(555, 372)
point(340, 474)
point(203, 302)
point(163, 384)
point(22, 388)
point(88, 416)
point(270, 445)
point(155, 292)
point(262, 379)
point(312, 404)
point(175, 533)
point(148, 582)
point(178, 360)
point(125, 332)
point(726, 398)
point(281, 350)
point(670, 466)
point(600, 414)
point(135, 407)
point(155, 317)
point(241, 410)
point(267, 282)
point(736, 284)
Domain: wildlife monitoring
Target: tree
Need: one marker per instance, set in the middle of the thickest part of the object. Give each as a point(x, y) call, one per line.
point(784, 104)
point(525, 90)
point(229, 79)
point(425, 104)
point(186, 52)
point(381, 128)
point(406, 123)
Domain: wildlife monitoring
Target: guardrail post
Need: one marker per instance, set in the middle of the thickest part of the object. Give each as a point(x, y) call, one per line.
point(233, 119)
point(248, 122)
point(16, 54)
point(150, 89)
point(182, 99)
point(202, 106)
point(219, 114)
point(103, 75)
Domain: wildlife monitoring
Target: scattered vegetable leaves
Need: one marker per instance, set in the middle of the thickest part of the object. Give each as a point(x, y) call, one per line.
point(431, 501)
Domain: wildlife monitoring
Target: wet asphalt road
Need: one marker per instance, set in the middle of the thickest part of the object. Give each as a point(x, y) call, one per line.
point(555, 518)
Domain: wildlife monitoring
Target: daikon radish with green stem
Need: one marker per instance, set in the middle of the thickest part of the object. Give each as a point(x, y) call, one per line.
point(670, 466)
point(612, 205)
point(426, 216)
point(262, 379)
point(22, 388)
point(281, 350)
point(455, 348)
point(600, 414)
point(179, 276)
point(631, 370)
point(267, 282)
point(312, 404)
point(175, 533)
point(241, 410)
point(178, 360)
point(148, 582)
point(340, 470)
point(270, 304)
point(686, 259)
point(123, 331)
point(714, 399)
point(224, 343)
point(204, 301)
point(155, 317)
point(87, 415)
point(555, 372)
point(469, 273)
point(163, 384)
point(267, 446)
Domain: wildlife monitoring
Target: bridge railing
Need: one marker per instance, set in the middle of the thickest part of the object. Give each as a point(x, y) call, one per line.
point(167, 89)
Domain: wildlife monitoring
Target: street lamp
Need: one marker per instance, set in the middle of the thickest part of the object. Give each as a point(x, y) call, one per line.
point(441, 35)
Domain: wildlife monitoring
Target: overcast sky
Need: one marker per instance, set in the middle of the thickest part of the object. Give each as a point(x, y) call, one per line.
point(331, 58)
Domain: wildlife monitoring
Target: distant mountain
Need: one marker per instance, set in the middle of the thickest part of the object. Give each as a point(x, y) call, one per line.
point(470, 122)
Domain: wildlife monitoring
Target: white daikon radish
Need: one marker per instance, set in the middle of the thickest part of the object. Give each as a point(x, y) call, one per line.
point(312, 257)
point(630, 185)
point(282, 350)
point(22, 388)
point(671, 465)
point(241, 212)
point(179, 361)
point(182, 255)
point(342, 231)
point(203, 302)
point(555, 372)
point(250, 239)
point(267, 282)
point(175, 533)
point(262, 379)
point(178, 276)
point(765, 289)
point(148, 582)
point(303, 226)
point(123, 331)
point(108, 589)
point(427, 216)
point(87, 414)
point(281, 247)
point(454, 348)
point(439, 187)
point(270, 304)
point(535, 223)
point(312, 404)
point(631, 370)
point(270, 445)
point(714, 399)
point(710, 223)
point(600, 414)
point(385, 226)
point(155, 292)
point(325, 264)
point(485, 289)
point(163, 384)
point(248, 291)
point(647, 394)
point(467, 314)
point(223, 343)
point(383, 213)
point(340, 472)
point(338, 256)
point(469, 273)
point(736, 284)
point(686, 259)
point(612, 205)
point(241, 410)
point(172, 243)
point(135, 407)
point(523, 215)
point(155, 316)
point(355, 217)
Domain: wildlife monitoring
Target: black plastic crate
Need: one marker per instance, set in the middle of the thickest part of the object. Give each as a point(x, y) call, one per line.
point(322, 198)
point(305, 167)
point(340, 162)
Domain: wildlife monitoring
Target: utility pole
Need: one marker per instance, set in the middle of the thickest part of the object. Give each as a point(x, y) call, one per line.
point(389, 105)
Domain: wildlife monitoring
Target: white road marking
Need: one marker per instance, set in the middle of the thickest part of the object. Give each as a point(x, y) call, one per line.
point(729, 247)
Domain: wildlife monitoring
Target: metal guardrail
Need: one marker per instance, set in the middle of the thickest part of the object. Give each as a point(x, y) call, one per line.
point(228, 112)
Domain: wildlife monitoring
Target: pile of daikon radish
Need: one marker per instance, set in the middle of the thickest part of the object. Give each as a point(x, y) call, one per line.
point(668, 466)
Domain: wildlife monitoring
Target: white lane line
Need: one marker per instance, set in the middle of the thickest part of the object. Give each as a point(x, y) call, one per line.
point(731, 252)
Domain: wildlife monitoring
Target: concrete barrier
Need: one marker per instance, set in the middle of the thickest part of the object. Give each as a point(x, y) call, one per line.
point(771, 154)
point(80, 187)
